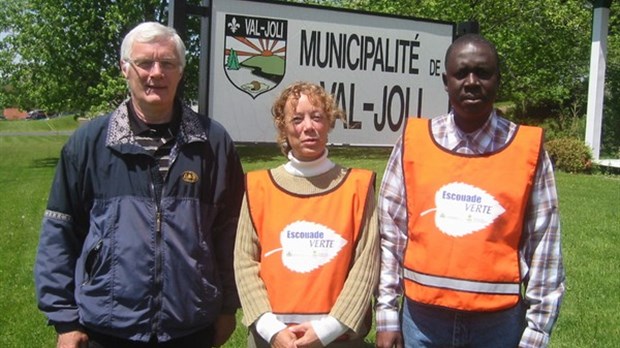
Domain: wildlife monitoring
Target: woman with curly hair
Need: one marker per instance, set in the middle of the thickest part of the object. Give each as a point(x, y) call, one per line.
point(307, 252)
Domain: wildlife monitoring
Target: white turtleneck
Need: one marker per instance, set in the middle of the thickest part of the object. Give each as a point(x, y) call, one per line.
point(308, 168)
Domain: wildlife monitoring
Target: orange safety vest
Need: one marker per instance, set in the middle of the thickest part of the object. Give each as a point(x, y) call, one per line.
point(465, 219)
point(307, 242)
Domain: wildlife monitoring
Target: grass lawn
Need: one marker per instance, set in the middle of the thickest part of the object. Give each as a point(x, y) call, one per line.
point(589, 205)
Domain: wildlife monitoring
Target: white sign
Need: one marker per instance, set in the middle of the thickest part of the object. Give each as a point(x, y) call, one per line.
point(381, 69)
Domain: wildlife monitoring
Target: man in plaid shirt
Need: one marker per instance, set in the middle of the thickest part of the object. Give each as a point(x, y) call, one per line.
point(516, 313)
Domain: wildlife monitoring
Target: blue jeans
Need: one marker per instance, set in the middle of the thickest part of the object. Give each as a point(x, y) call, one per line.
point(429, 326)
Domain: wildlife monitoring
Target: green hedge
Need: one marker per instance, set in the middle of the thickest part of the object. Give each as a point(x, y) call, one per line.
point(570, 155)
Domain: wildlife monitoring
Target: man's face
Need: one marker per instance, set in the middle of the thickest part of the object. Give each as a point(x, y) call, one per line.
point(153, 73)
point(471, 80)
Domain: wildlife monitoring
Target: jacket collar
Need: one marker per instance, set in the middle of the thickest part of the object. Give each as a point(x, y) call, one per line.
point(191, 128)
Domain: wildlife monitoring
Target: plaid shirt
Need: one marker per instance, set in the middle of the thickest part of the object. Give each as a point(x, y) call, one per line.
point(540, 256)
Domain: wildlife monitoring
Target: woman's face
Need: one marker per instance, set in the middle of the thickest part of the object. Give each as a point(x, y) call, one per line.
point(306, 127)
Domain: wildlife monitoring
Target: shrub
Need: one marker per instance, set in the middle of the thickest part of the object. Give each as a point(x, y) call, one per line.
point(570, 155)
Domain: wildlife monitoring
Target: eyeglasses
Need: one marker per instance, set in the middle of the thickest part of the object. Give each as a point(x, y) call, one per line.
point(148, 64)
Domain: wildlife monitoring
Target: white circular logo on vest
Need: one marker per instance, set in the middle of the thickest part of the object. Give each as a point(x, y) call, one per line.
point(307, 245)
point(463, 209)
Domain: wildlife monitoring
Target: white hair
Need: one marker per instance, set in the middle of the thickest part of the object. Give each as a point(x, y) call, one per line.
point(148, 32)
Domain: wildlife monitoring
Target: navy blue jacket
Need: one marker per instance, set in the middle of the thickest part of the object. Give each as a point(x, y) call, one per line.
point(118, 258)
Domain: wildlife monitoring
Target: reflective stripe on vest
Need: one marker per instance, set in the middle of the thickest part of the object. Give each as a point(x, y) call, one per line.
point(462, 285)
point(465, 216)
point(307, 241)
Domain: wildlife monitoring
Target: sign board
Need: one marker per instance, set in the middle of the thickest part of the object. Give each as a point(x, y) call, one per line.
point(381, 69)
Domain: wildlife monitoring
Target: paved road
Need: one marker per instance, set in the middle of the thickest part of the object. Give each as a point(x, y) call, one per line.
point(14, 134)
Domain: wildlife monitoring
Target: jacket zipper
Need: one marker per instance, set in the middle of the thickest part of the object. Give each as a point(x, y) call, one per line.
point(155, 175)
point(158, 260)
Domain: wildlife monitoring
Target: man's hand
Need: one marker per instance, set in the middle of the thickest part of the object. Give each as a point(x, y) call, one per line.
point(307, 336)
point(389, 339)
point(224, 327)
point(72, 339)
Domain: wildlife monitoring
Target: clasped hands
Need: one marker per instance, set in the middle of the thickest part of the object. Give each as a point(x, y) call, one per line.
point(297, 336)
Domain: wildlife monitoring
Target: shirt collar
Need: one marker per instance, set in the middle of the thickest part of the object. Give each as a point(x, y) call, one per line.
point(476, 142)
point(139, 127)
point(488, 125)
point(191, 127)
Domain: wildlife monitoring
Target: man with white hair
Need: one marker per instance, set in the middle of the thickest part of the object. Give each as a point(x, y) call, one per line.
point(137, 238)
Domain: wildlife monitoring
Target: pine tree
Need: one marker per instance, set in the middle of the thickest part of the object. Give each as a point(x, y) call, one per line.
point(233, 61)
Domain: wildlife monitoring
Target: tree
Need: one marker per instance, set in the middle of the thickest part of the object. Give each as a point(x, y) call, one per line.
point(62, 55)
point(544, 45)
point(233, 61)
point(610, 142)
point(545, 50)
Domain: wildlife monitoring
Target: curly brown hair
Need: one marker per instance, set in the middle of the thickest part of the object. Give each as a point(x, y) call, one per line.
point(318, 97)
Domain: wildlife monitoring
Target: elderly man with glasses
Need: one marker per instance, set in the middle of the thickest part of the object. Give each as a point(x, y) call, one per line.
point(137, 238)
